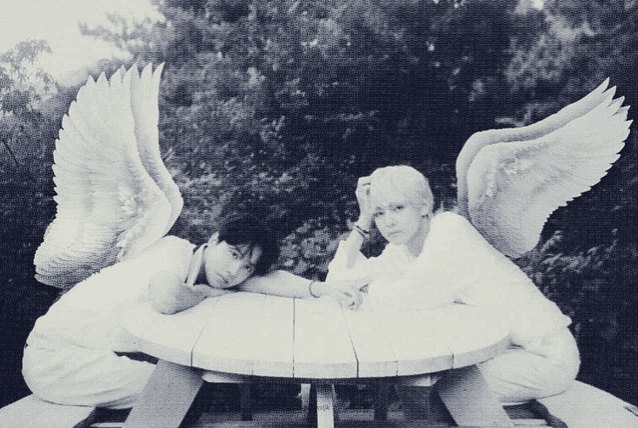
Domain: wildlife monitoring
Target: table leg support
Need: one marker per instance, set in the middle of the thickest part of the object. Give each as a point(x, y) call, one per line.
point(469, 399)
point(245, 402)
point(166, 398)
point(325, 406)
point(381, 402)
point(311, 415)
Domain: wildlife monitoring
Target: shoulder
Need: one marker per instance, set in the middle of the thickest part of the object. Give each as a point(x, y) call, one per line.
point(449, 222)
point(449, 218)
point(453, 230)
point(168, 253)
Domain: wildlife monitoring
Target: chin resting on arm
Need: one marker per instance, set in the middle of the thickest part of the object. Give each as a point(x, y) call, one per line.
point(169, 294)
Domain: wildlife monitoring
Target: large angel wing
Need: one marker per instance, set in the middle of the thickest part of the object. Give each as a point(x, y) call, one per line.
point(511, 180)
point(114, 194)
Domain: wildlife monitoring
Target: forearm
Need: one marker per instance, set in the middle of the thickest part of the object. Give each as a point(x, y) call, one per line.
point(170, 295)
point(284, 284)
point(349, 263)
point(353, 248)
point(424, 295)
point(427, 287)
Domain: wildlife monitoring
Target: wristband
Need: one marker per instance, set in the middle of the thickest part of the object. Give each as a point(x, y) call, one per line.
point(364, 233)
point(310, 289)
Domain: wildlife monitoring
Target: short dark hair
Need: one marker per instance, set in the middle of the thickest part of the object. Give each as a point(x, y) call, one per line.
point(246, 229)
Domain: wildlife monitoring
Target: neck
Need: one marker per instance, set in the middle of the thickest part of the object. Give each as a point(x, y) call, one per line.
point(201, 269)
point(415, 246)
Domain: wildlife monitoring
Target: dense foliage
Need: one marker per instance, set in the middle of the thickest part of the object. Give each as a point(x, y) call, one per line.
point(27, 131)
point(278, 106)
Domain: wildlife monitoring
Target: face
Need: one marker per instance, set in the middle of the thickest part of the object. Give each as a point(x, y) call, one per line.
point(229, 265)
point(400, 222)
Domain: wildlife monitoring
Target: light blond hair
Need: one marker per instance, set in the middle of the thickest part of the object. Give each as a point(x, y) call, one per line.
point(393, 183)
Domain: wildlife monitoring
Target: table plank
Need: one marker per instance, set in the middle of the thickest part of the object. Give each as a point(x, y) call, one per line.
point(322, 345)
point(473, 334)
point(244, 334)
point(250, 334)
point(374, 353)
point(416, 345)
point(168, 337)
point(227, 341)
point(275, 343)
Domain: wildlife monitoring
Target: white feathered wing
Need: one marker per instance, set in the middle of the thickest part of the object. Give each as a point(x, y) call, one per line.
point(114, 196)
point(511, 180)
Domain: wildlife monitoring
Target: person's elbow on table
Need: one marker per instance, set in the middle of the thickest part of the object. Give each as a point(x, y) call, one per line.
point(169, 295)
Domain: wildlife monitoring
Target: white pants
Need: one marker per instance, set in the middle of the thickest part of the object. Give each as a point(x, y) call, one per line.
point(519, 375)
point(84, 377)
point(515, 376)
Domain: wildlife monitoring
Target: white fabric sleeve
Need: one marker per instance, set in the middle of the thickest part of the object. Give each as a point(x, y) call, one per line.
point(88, 315)
point(465, 258)
point(485, 277)
point(455, 260)
point(129, 279)
point(458, 265)
point(337, 270)
point(171, 254)
point(439, 272)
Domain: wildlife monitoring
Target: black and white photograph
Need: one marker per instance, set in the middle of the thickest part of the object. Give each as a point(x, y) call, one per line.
point(318, 213)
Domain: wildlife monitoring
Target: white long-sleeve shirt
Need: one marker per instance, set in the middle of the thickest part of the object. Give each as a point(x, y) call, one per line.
point(89, 314)
point(456, 265)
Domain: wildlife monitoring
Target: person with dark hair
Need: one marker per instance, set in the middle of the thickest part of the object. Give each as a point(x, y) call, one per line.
point(238, 258)
point(241, 248)
point(76, 353)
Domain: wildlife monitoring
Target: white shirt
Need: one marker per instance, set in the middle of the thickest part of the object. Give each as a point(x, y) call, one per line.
point(456, 265)
point(89, 314)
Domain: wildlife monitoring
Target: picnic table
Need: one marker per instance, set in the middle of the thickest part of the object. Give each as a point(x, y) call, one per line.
point(247, 337)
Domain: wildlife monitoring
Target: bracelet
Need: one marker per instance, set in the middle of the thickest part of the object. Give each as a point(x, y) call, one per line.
point(364, 233)
point(310, 289)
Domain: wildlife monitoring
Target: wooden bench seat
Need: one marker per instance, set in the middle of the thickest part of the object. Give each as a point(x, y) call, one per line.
point(584, 406)
point(32, 412)
point(581, 406)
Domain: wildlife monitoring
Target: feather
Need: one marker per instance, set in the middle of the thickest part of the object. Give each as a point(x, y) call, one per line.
point(514, 179)
point(144, 94)
point(481, 139)
point(114, 196)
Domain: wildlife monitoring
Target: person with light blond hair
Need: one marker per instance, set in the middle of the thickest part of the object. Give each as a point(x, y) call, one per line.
point(432, 260)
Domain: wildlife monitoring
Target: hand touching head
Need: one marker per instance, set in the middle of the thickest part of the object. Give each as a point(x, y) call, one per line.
point(401, 203)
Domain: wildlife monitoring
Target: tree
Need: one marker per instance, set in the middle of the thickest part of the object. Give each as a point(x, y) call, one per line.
point(31, 108)
point(314, 94)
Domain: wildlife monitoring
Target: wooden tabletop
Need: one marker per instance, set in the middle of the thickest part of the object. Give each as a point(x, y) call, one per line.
point(259, 335)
